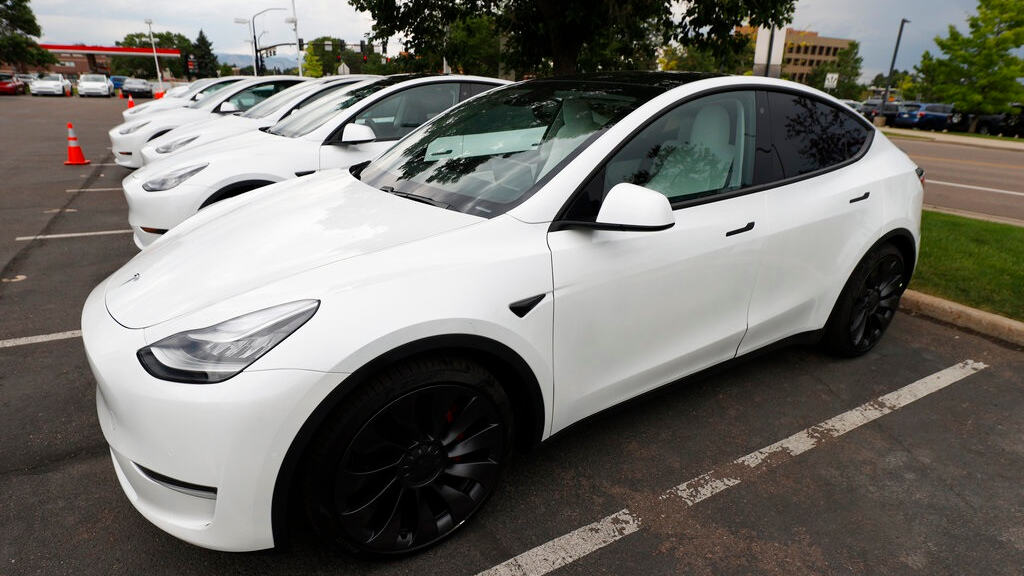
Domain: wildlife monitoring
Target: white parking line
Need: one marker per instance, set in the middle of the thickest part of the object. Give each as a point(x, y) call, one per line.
point(72, 191)
point(982, 188)
point(37, 339)
point(73, 235)
point(577, 544)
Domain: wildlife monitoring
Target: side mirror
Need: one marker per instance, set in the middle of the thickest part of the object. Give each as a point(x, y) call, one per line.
point(629, 208)
point(357, 134)
point(227, 108)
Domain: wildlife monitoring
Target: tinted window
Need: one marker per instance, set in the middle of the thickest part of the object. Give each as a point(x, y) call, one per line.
point(809, 136)
point(399, 114)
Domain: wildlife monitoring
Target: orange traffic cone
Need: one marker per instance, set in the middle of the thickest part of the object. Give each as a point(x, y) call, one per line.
point(131, 101)
point(75, 156)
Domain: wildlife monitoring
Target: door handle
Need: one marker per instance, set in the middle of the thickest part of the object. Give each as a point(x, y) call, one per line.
point(859, 198)
point(747, 228)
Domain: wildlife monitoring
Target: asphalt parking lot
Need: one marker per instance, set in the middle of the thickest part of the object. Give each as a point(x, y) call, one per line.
point(906, 462)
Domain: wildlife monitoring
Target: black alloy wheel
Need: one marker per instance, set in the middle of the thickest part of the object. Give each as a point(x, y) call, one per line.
point(868, 303)
point(410, 459)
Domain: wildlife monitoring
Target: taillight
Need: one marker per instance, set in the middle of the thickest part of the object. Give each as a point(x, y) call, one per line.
point(920, 114)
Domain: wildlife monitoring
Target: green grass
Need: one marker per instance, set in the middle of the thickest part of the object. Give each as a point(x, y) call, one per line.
point(976, 263)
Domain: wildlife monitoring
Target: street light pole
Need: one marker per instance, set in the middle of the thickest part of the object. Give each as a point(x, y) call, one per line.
point(295, 28)
point(892, 66)
point(159, 75)
point(255, 41)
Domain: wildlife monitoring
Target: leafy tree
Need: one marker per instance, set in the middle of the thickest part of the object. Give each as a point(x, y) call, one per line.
point(18, 27)
point(565, 36)
point(980, 70)
point(693, 59)
point(847, 65)
point(311, 66)
point(142, 66)
point(473, 46)
point(206, 60)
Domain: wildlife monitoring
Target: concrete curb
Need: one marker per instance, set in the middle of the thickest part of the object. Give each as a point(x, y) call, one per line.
point(979, 321)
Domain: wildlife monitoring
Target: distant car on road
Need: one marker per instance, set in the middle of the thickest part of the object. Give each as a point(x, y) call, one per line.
point(95, 85)
point(137, 87)
point(11, 84)
point(1008, 124)
point(52, 85)
point(923, 116)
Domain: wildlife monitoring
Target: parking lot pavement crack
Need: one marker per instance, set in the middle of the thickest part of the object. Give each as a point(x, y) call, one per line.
point(10, 268)
point(56, 462)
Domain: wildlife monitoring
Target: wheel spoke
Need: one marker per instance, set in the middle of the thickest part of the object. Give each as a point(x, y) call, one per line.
point(434, 409)
point(390, 525)
point(488, 438)
point(479, 471)
point(474, 410)
point(858, 322)
point(362, 504)
point(427, 527)
point(459, 504)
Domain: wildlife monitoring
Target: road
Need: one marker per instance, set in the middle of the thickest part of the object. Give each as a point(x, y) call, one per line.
point(980, 180)
point(929, 487)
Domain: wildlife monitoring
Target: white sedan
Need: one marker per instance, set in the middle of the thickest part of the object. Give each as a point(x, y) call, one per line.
point(127, 139)
point(50, 84)
point(352, 126)
point(370, 344)
point(196, 91)
point(95, 85)
point(266, 113)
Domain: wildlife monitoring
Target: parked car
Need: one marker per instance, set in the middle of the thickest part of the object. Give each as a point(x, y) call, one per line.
point(52, 84)
point(923, 116)
point(11, 84)
point(118, 81)
point(352, 126)
point(1006, 124)
point(365, 347)
point(136, 88)
point(95, 85)
point(873, 108)
point(27, 78)
point(197, 91)
point(127, 139)
point(266, 113)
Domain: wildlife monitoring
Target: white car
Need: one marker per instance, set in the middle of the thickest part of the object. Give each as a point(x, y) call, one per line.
point(266, 113)
point(95, 85)
point(370, 344)
point(50, 84)
point(351, 126)
point(196, 91)
point(127, 139)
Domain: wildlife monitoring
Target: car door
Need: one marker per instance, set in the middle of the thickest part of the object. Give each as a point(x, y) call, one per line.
point(635, 310)
point(390, 118)
point(821, 211)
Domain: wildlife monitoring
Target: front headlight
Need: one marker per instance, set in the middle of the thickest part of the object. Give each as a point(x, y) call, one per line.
point(216, 353)
point(172, 146)
point(133, 128)
point(172, 179)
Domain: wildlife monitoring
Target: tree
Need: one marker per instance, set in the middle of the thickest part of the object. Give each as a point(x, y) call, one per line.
point(474, 46)
point(847, 65)
point(311, 65)
point(18, 27)
point(143, 66)
point(693, 59)
point(566, 36)
point(979, 71)
point(205, 59)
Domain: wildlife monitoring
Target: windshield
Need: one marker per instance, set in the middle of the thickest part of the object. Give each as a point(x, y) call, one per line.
point(94, 78)
point(485, 157)
point(51, 78)
point(208, 91)
point(315, 116)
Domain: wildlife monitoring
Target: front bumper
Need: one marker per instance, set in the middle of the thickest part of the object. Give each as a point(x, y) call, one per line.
point(198, 461)
point(161, 210)
point(126, 147)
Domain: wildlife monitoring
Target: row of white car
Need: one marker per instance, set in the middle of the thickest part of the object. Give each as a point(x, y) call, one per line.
point(368, 344)
point(231, 135)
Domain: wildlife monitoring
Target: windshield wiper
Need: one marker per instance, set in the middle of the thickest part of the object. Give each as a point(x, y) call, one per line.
point(415, 197)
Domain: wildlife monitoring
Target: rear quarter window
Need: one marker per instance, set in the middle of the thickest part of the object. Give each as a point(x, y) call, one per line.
point(810, 136)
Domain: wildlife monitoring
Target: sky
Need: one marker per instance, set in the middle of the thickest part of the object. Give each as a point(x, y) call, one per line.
point(874, 23)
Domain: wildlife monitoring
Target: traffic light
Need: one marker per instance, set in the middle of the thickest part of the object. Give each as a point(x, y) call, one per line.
point(362, 49)
point(302, 44)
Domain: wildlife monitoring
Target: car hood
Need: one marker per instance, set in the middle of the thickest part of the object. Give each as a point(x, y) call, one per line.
point(212, 128)
point(249, 242)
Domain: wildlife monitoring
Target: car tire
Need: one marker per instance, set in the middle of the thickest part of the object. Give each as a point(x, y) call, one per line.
point(408, 458)
point(867, 304)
